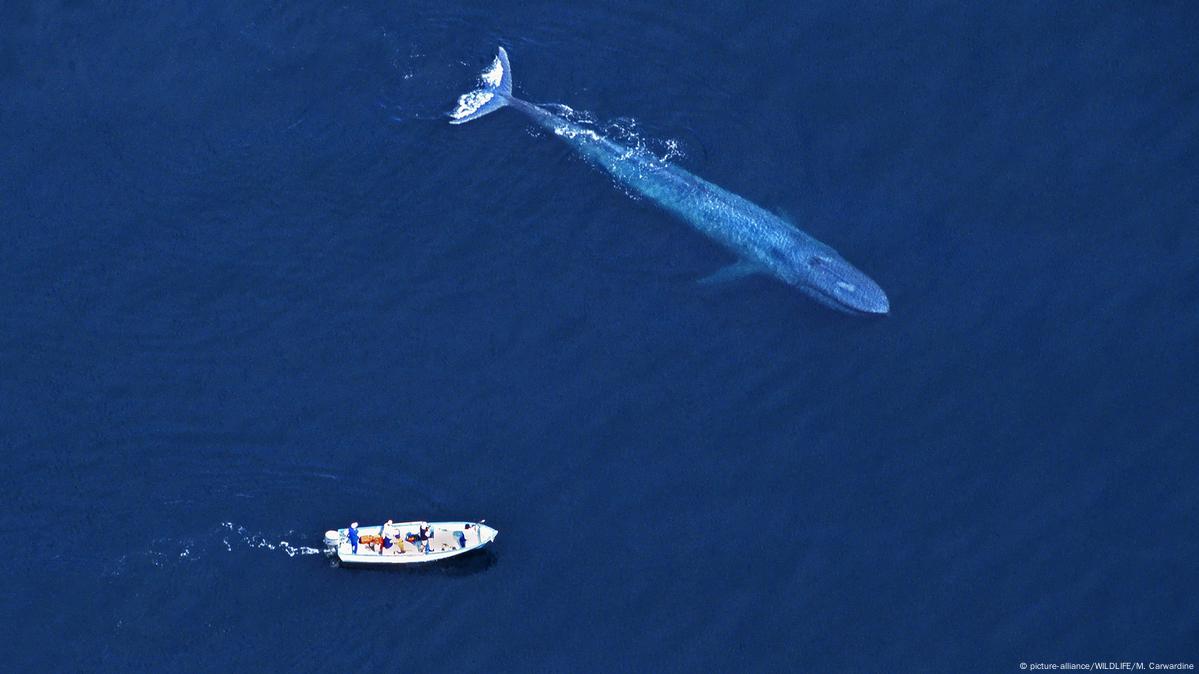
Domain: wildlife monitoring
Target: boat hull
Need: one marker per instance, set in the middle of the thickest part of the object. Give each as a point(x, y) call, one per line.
point(449, 539)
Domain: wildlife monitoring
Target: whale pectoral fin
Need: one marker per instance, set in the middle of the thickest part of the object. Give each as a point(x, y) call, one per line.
point(734, 271)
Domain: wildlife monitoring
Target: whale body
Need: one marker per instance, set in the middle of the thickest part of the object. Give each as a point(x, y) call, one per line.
point(763, 242)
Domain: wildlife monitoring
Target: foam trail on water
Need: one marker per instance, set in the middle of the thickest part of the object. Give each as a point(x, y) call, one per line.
point(224, 539)
point(258, 541)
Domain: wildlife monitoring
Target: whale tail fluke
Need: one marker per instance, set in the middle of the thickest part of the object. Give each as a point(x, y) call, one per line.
point(494, 92)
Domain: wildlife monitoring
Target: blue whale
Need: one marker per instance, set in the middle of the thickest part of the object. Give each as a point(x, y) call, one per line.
point(763, 242)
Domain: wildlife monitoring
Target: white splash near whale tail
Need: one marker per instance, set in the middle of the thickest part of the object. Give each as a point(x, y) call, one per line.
point(469, 103)
point(493, 93)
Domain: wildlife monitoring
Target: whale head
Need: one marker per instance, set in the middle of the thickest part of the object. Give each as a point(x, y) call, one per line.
point(832, 281)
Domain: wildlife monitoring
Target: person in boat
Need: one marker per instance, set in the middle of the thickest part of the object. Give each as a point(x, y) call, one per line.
point(425, 534)
point(353, 535)
point(384, 535)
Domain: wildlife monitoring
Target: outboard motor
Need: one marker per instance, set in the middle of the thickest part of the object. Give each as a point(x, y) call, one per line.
point(332, 540)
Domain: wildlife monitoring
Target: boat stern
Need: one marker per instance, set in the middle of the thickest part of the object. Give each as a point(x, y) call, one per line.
point(333, 539)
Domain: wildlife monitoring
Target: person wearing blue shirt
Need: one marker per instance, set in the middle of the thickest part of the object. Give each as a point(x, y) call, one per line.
point(354, 537)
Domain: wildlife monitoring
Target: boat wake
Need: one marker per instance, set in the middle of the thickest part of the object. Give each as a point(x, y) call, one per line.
point(225, 539)
point(248, 539)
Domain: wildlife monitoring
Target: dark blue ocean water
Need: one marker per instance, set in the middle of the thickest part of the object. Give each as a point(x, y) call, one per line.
point(253, 286)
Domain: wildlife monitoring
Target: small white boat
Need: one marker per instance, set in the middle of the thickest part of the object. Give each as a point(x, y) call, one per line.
point(444, 540)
